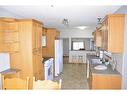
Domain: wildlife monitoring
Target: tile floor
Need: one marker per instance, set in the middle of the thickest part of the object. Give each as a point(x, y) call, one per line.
point(73, 76)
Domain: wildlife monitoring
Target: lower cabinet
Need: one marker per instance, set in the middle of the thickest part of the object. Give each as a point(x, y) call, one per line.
point(104, 81)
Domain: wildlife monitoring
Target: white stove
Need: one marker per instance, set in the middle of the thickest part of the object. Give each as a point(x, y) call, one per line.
point(48, 67)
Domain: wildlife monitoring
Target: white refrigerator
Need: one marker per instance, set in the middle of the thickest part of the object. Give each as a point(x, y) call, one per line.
point(58, 57)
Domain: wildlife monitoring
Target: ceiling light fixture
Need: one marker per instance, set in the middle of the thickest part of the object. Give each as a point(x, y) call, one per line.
point(82, 27)
point(52, 5)
point(98, 22)
point(65, 22)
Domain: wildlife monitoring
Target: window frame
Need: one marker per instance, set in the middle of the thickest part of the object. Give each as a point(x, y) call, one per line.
point(78, 47)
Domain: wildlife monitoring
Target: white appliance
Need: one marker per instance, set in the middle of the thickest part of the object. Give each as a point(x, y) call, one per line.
point(4, 64)
point(58, 57)
point(48, 65)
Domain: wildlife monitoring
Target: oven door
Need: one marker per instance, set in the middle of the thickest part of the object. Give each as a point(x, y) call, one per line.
point(48, 73)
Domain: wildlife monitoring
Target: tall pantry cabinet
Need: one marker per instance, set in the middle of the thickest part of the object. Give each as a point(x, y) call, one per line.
point(28, 58)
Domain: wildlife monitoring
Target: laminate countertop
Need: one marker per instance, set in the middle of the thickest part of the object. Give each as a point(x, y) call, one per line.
point(108, 71)
point(10, 71)
point(89, 57)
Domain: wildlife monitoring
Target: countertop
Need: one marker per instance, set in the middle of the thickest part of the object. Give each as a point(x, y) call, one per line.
point(89, 57)
point(108, 71)
point(10, 71)
point(84, 50)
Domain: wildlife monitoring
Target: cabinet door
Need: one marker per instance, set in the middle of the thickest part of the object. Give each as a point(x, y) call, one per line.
point(116, 34)
point(39, 36)
point(34, 34)
point(35, 68)
point(98, 38)
point(113, 34)
point(39, 63)
point(52, 43)
point(106, 82)
point(48, 46)
point(105, 35)
point(9, 37)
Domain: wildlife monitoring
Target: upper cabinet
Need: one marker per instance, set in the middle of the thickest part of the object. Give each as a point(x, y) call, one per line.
point(22, 39)
point(9, 36)
point(51, 34)
point(112, 30)
point(97, 38)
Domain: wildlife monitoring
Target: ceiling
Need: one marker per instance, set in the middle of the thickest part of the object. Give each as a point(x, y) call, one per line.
point(52, 16)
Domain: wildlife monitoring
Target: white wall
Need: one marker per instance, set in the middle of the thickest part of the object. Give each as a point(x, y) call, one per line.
point(5, 13)
point(76, 33)
point(4, 63)
point(119, 59)
point(123, 10)
point(124, 67)
point(66, 46)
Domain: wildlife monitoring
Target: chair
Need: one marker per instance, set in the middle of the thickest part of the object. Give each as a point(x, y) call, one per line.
point(46, 84)
point(15, 83)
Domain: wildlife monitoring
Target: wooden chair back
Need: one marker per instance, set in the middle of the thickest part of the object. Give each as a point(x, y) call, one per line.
point(15, 83)
point(46, 84)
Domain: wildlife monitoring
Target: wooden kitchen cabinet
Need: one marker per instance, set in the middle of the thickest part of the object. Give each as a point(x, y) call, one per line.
point(51, 35)
point(31, 49)
point(44, 33)
point(98, 38)
point(113, 33)
point(105, 81)
point(25, 37)
point(9, 36)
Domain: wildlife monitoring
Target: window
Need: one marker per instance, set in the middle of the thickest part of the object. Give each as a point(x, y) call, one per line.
point(78, 45)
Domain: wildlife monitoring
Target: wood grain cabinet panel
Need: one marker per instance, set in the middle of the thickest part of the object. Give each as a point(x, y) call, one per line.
point(105, 82)
point(98, 38)
point(24, 36)
point(9, 37)
point(113, 33)
point(51, 35)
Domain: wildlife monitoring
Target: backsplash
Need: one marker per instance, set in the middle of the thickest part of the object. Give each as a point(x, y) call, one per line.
point(118, 57)
point(119, 60)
